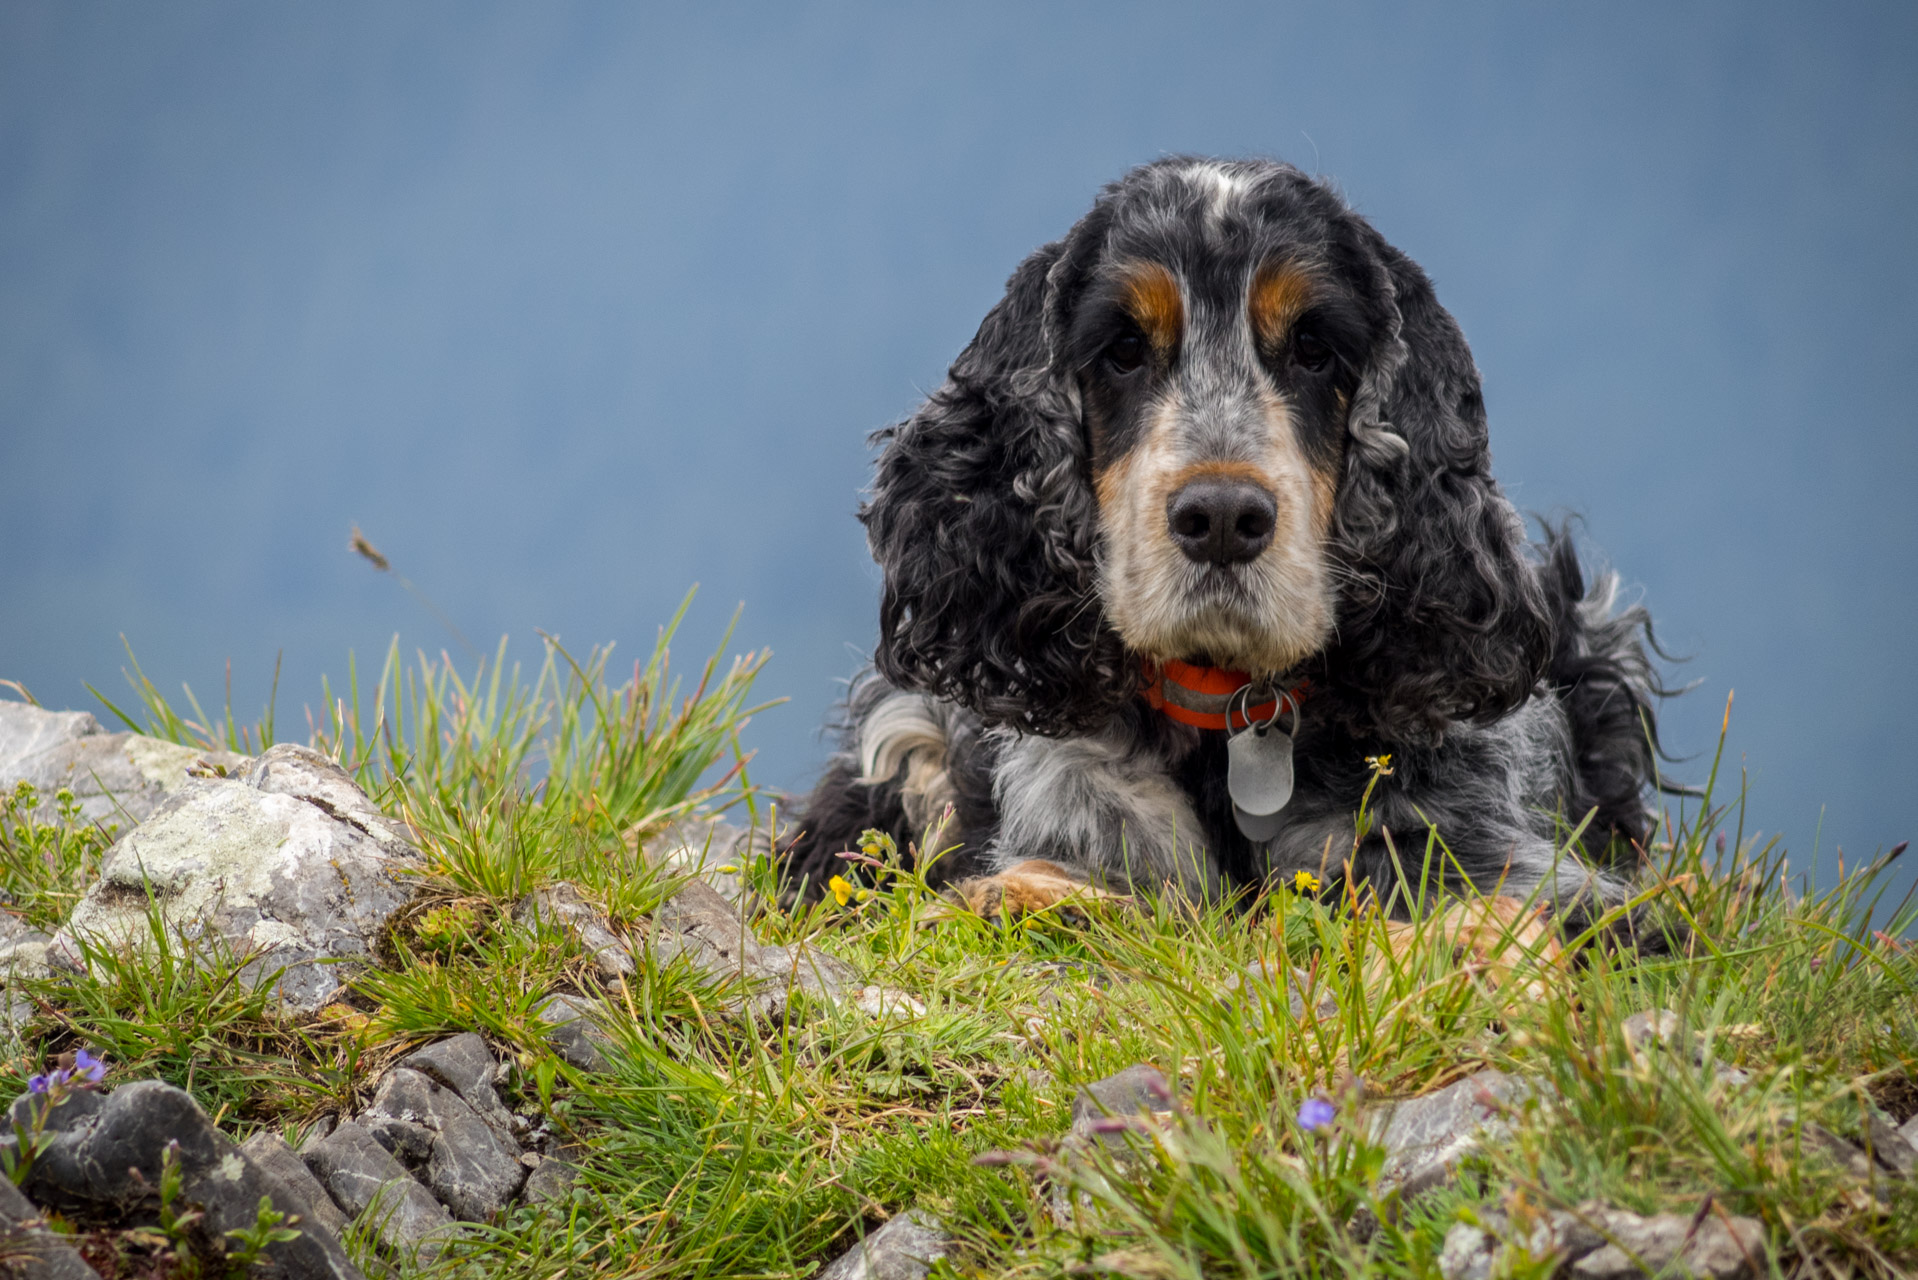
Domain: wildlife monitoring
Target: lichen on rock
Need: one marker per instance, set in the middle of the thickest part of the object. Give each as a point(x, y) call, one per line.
point(289, 865)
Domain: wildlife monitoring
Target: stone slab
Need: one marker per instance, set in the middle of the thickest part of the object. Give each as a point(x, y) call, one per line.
point(116, 778)
point(293, 1186)
point(472, 1170)
point(104, 1165)
point(360, 1175)
point(903, 1249)
point(289, 865)
point(31, 1250)
point(564, 908)
point(575, 1032)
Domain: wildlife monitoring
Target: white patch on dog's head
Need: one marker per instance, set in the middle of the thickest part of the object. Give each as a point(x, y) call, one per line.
point(1223, 189)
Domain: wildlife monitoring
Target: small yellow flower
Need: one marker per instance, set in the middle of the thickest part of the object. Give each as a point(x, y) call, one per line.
point(864, 895)
point(1305, 882)
point(727, 869)
point(1381, 765)
point(840, 889)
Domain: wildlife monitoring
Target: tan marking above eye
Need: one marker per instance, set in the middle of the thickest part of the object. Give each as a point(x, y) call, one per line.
point(1280, 293)
point(1152, 297)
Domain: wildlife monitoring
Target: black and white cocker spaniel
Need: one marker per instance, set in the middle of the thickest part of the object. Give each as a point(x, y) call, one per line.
point(1200, 526)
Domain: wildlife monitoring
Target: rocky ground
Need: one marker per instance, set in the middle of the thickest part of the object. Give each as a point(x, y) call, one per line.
point(282, 863)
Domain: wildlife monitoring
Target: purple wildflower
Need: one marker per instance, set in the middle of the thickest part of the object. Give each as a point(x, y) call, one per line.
point(1316, 1113)
point(37, 1084)
point(89, 1067)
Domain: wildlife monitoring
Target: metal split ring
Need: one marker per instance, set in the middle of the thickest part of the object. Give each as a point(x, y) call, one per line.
point(1240, 700)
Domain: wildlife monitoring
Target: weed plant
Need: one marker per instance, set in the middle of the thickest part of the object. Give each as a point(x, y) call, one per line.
point(721, 1145)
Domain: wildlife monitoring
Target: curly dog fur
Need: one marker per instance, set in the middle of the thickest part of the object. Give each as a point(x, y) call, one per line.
point(1231, 330)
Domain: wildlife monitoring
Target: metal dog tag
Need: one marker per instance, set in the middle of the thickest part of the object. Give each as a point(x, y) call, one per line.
point(1258, 776)
point(1258, 828)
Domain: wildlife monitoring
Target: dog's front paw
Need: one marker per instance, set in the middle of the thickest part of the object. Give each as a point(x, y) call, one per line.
point(1028, 887)
point(1500, 939)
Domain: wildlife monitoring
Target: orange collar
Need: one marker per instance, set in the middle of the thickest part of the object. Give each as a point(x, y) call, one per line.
point(1203, 696)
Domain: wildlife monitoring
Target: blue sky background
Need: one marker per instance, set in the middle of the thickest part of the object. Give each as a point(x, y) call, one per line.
point(571, 306)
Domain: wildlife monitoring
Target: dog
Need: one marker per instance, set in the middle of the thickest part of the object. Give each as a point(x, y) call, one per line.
point(1211, 486)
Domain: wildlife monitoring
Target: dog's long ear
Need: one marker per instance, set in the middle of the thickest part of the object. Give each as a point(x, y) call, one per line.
point(984, 520)
point(1442, 616)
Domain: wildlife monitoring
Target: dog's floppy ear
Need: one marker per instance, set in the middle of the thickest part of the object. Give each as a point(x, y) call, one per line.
point(984, 521)
point(1442, 616)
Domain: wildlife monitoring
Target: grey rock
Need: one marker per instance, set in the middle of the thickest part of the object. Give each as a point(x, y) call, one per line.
point(474, 1170)
point(575, 1034)
point(1119, 1114)
point(465, 1065)
point(1891, 1148)
point(1425, 1138)
point(1260, 977)
point(291, 1184)
point(23, 954)
point(887, 1004)
point(27, 730)
point(1909, 1131)
point(16, 1011)
point(290, 769)
point(564, 908)
point(1116, 1114)
point(1467, 1253)
point(1139, 1090)
point(699, 846)
point(290, 865)
point(697, 924)
point(319, 1129)
point(903, 1249)
point(1815, 1137)
point(114, 777)
point(1662, 1027)
point(780, 970)
point(28, 1250)
point(1648, 1027)
point(360, 1175)
point(104, 1164)
point(411, 1143)
point(1638, 1246)
point(553, 1177)
point(75, 1111)
point(1569, 1233)
point(1603, 1243)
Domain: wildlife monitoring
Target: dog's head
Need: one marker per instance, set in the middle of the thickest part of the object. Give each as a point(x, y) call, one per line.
point(1221, 421)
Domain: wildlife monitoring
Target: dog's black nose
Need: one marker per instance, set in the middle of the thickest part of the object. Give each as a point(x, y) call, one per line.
point(1217, 521)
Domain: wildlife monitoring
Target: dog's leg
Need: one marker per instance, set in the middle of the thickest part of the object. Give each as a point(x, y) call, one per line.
point(1030, 886)
point(1097, 810)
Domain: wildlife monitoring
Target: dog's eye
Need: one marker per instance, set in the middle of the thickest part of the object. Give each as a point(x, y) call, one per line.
point(1310, 351)
point(1126, 353)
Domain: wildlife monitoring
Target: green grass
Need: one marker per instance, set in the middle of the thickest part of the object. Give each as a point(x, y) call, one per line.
point(724, 1147)
point(46, 865)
